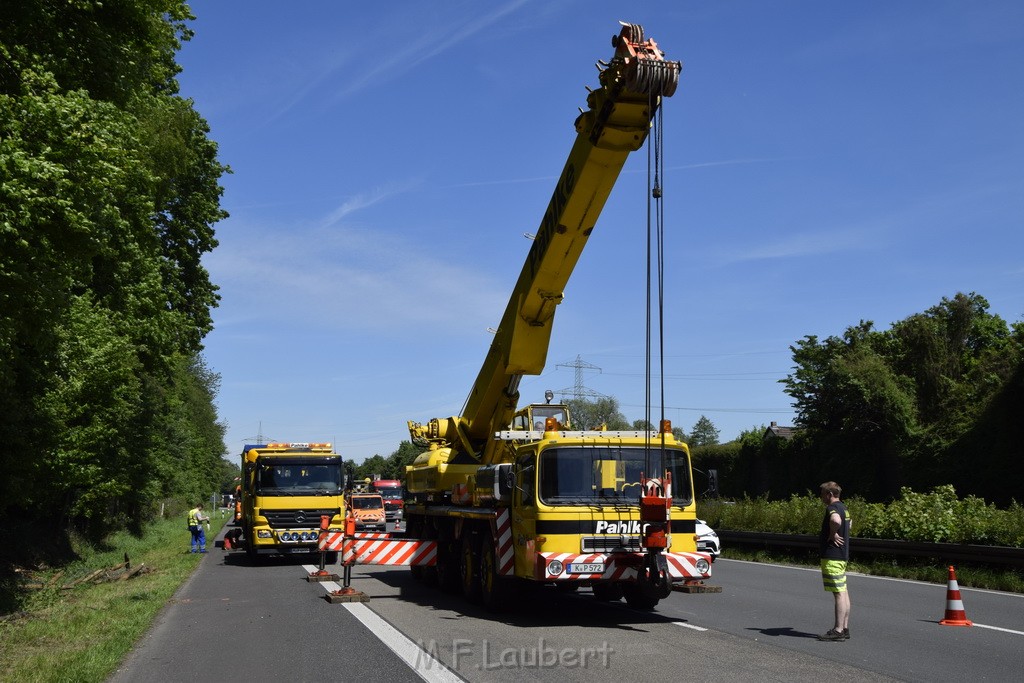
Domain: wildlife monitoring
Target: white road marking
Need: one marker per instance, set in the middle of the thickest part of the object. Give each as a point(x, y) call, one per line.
point(997, 628)
point(427, 667)
point(689, 626)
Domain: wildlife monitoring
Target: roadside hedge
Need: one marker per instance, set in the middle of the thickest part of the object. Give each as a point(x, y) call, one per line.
point(938, 516)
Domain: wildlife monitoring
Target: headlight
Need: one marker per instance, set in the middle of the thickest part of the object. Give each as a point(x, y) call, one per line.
point(555, 567)
point(703, 566)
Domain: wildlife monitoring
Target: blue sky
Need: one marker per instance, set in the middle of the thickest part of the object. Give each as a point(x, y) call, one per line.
point(825, 163)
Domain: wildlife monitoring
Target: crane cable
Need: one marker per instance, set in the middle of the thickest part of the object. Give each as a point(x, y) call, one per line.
point(655, 242)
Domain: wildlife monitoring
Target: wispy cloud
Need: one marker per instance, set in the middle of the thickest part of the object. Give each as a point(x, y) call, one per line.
point(505, 181)
point(343, 272)
point(728, 162)
point(366, 199)
point(938, 213)
point(427, 45)
point(801, 245)
point(362, 61)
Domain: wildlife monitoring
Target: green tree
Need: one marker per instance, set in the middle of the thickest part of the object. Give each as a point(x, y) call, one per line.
point(404, 456)
point(110, 190)
point(587, 414)
point(884, 408)
point(704, 433)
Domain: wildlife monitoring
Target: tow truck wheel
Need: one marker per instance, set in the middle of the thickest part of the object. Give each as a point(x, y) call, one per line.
point(495, 590)
point(469, 572)
point(447, 567)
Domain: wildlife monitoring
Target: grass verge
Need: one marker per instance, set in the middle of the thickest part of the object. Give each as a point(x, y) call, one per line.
point(82, 633)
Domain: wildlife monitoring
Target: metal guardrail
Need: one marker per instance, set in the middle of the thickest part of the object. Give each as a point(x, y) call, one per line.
point(947, 552)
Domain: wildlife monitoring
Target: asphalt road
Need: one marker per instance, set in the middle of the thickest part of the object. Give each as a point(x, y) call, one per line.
point(235, 622)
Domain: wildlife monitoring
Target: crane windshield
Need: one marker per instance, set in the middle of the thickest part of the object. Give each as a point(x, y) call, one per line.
point(606, 475)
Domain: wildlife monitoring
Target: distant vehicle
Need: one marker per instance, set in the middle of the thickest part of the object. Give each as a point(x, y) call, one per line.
point(368, 511)
point(707, 540)
point(391, 491)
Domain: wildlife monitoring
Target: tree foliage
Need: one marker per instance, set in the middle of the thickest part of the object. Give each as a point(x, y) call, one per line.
point(109, 191)
point(886, 408)
point(602, 412)
point(704, 433)
point(391, 467)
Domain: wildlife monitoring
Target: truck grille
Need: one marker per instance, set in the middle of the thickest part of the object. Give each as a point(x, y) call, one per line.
point(285, 519)
point(609, 544)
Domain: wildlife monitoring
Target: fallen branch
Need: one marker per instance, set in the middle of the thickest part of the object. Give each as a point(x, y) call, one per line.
point(119, 572)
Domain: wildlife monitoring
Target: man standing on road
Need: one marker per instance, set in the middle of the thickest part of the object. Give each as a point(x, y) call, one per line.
point(834, 544)
point(196, 517)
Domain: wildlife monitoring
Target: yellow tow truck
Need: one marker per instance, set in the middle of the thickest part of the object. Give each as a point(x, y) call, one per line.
point(286, 489)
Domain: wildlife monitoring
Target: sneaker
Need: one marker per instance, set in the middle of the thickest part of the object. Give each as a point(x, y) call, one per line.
point(202, 551)
point(846, 634)
point(833, 635)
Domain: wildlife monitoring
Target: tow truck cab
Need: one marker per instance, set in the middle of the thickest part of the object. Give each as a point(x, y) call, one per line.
point(368, 511)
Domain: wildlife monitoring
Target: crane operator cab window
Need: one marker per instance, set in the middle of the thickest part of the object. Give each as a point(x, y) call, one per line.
point(533, 417)
point(541, 413)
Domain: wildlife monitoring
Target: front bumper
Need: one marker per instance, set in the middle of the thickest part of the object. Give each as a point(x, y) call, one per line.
point(618, 566)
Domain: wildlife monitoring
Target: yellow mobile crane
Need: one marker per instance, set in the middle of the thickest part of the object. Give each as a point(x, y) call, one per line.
point(511, 496)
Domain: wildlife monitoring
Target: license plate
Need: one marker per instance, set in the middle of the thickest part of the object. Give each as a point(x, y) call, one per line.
point(585, 568)
point(298, 550)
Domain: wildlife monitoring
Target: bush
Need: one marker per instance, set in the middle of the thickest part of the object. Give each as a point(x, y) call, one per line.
point(938, 516)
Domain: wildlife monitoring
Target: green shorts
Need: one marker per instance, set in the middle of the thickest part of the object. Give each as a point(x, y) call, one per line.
point(833, 573)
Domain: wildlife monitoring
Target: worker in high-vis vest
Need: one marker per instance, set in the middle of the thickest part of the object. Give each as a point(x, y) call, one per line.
point(196, 517)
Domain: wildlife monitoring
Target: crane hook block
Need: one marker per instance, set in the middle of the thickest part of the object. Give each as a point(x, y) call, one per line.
point(643, 66)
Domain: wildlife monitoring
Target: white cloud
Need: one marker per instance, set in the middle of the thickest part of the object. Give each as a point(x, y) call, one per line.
point(342, 273)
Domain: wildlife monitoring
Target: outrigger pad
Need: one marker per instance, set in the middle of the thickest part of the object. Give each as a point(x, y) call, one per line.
point(696, 588)
point(349, 597)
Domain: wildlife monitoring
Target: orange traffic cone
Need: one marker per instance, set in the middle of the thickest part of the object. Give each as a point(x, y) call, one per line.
point(955, 615)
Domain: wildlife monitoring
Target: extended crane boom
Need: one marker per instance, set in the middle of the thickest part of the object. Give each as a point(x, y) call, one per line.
point(616, 123)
